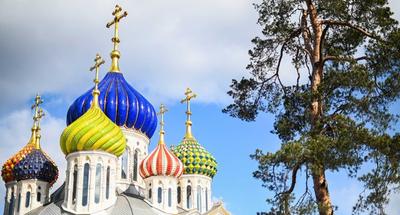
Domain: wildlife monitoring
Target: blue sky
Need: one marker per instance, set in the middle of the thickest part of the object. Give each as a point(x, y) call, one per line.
point(48, 46)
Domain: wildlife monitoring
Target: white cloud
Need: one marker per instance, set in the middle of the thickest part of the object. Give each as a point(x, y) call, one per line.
point(15, 133)
point(166, 46)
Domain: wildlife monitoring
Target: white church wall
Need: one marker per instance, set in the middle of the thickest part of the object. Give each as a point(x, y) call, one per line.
point(26, 195)
point(200, 192)
point(137, 142)
point(90, 185)
point(161, 193)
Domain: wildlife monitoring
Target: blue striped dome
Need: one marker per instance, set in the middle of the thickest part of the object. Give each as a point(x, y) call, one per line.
point(36, 165)
point(120, 102)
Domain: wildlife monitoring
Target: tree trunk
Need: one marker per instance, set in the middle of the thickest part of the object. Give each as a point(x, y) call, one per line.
point(317, 170)
point(321, 191)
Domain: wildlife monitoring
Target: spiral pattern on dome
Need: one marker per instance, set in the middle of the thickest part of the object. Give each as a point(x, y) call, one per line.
point(93, 131)
point(120, 102)
point(195, 158)
point(161, 162)
point(36, 165)
point(7, 170)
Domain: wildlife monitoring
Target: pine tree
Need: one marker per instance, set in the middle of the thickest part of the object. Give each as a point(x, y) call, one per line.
point(335, 115)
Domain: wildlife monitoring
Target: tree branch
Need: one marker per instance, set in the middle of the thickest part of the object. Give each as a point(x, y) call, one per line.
point(294, 178)
point(344, 58)
point(357, 28)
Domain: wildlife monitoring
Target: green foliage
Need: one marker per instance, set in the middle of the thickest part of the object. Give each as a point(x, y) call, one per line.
point(359, 54)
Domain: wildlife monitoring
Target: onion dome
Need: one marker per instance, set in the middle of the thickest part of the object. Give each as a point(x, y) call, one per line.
point(36, 165)
point(93, 130)
point(119, 101)
point(31, 162)
point(195, 158)
point(161, 162)
point(7, 170)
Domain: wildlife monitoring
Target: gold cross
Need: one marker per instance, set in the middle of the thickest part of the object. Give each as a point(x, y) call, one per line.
point(189, 96)
point(40, 114)
point(118, 15)
point(163, 110)
point(35, 106)
point(98, 62)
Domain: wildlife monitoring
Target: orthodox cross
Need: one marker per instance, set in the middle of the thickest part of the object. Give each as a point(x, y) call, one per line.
point(36, 120)
point(163, 110)
point(189, 96)
point(36, 108)
point(98, 62)
point(118, 15)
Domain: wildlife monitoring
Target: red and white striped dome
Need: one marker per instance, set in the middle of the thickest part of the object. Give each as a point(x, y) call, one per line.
point(161, 162)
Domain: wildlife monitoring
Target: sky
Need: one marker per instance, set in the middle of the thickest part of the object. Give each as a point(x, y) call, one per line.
point(48, 46)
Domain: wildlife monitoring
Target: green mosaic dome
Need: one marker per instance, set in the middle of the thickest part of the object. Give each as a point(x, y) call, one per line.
point(195, 158)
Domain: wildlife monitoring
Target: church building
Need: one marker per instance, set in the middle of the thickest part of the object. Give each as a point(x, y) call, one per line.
point(109, 167)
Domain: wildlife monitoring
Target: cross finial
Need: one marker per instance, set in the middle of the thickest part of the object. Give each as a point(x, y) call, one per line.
point(36, 108)
point(98, 62)
point(189, 96)
point(115, 54)
point(38, 114)
point(38, 117)
point(163, 110)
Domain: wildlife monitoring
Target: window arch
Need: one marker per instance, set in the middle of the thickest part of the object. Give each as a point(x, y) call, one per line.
point(124, 164)
point(159, 195)
point(12, 200)
point(135, 165)
point(19, 202)
point(108, 183)
point(74, 183)
point(86, 171)
point(189, 196)
point(28, 199)
point(38, 196)
point(97, 184)
point(169, 197)
point(150, 191)
point(178, 194)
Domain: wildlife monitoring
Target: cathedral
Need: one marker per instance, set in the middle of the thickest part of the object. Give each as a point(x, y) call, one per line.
point(109, 167)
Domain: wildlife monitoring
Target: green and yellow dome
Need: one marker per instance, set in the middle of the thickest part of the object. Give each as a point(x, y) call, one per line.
point(195, 158)
point(93, 131)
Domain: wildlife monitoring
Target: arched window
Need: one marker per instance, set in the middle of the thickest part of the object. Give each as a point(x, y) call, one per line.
point(28, 199)
point(12, 200)
point(159, 195)
point(188, 196)
point(19, 202)
point(98, 184)
point(108, 183)
point(178, 194)
point(169, 197)
point(124, 165)
point(135, 165)
point(75, 183)
point(150, 192)
point(199, 198)
point(206, 199)
point(38, 196)
point(86, 171)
